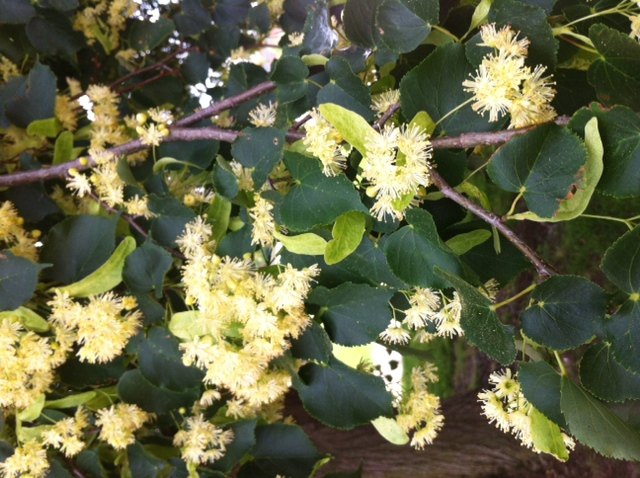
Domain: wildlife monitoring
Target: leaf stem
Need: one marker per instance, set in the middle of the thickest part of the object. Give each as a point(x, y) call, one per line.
point(626, 222)
point(515, 203)
point(445, 32)
point(453, 111)
point(513, 298)
point(563, 370)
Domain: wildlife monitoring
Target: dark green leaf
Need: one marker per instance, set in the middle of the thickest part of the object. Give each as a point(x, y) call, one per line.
point(414, 250)
point(77, 246)
point(259, 148)
point(38, 99)
point(313, 344)
point(319, 36)
point(51, 33)
point(620, 131)
point(281, 450)
point(57, 470)
point(172, 217)
point(616, 73)
point(316, 199)
point(345, 89)
point(88, 462)
point(145, 268)
point(147, 35)
point(428, 10)
point(480, 323)
point(289, 73)
point(18, 280)
point(342, 397)
point(596, 426)
point(353, 314)
point(435, 86)
point(16, 11)
point(602, 375)
point(193, 19)
point(623, 332)
point(81, 374)
point(244, 438)
point(134, 388)
point(62, 5)
point(621, 262)
point(370, 264)
point(568, 312)
point(541, 387)
point(401, 30)
point(195, 67)
point(359, 22)
point(489, 264)
point(531, 22)
point(231, 12)
point(224, 180)
point(143, 464)
point(544, 164)
point(160, 361)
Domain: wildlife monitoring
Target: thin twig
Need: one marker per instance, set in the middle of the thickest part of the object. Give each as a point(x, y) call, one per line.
point(386, 116)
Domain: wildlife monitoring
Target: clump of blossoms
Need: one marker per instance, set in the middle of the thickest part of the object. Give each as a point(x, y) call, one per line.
point(202, 442)
point(118, 423)
point(383, 102)
point(505, 405)
point(101, 327)
point(13, 235)
point(245, 320)
point(153, 126)
point(66, 434)
point(325, 143)
point(428, 310)
point(264, 224)
point(263, 116)
point(419, 410)
point(504, 84)
point(394, 167)
point(104, 21)
point(28, 460)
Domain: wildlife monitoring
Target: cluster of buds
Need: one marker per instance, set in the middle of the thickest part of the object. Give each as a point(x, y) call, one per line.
point(153, 126)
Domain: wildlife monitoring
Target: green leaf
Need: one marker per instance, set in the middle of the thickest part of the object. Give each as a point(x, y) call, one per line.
point(316, 199)
point(145, 268)
point(187, 325)
point(531, 22)
point(160, 361)
point(541, 387)
point(369, 263)
point(345, 89)
point(616, 73)
point(77, 246)
point(71, 401)
point(359, 22)
point(353, 314)
point(143, 464)
point(435, 86)
point(18, 280)
point(319, 36)
point(568, 311)
point(543, 164)
point(351, 126)
point(33, 411)
point(307, 244)
point(623, 332)
point(573, 207)
point(621, 262)
point(16, 11)
point(480, 13)
point(347, 234)
point(218, 216)
point(283, 450)
point(63, 149)
point(172, 216)
point(290, 73)
point(49, 128)
point(244, 439)
point(547, 436)
point(389, 429)
point(415, 250)
point(105, 277)
point(480, 323)
point(342, 397)
point(28, 318)
point(596, 426)
point(259, 148)
point(147, 35)
point(52, 33)
point(199, 154)
point(605, 377)
point(134, 388)
point(400, 29)
point(620, 131)
point(38, 100)
point(428, 10)
point(463, 243)
point(313, 344)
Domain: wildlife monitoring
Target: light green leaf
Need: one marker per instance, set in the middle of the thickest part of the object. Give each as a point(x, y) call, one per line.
point(389, 429)
point(547, 436)
point(577, 204)
point(71, 401)
point(218, 216)
point(49, 128)
point(106, 277)
point(424, 121)
point(596, 426)
point(63, 149)
point(347, 234)
point(353, 127)
point(28, 318)
point(162, 163)
point(308, 244)
point(480, 13)
point(187, 325)
point(32, 412)
point(463, 243)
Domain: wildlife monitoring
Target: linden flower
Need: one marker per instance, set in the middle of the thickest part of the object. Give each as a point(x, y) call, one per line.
point(382, 102)
point(13, 236)
point(504, 39)
point(395, 333)
point(66, 434)
point(263, 116)
point(635, 27)
point(263, 223)
point(324, 142)
point(424, 303)
point(202, 442)
point(28, 460)
point(119, 423)
point(447, 320)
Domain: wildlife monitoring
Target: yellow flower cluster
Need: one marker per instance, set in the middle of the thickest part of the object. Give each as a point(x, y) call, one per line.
point(245, 320)
point(102, 327)
point(395, 166)
point(66, 111)
point(105, 128)
point(118, 423)
point(419, 411)
point(66, 434)
point(263, 223)
point(8, 69)
point(263, 116)
point(325, 143)
point(504, 84)
point(202, 442)
point(382, 102)
point(12, 233)
point(153, 132)
point(104, 21)
point(506, 405)
point(28, 461)
point(28, 362)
